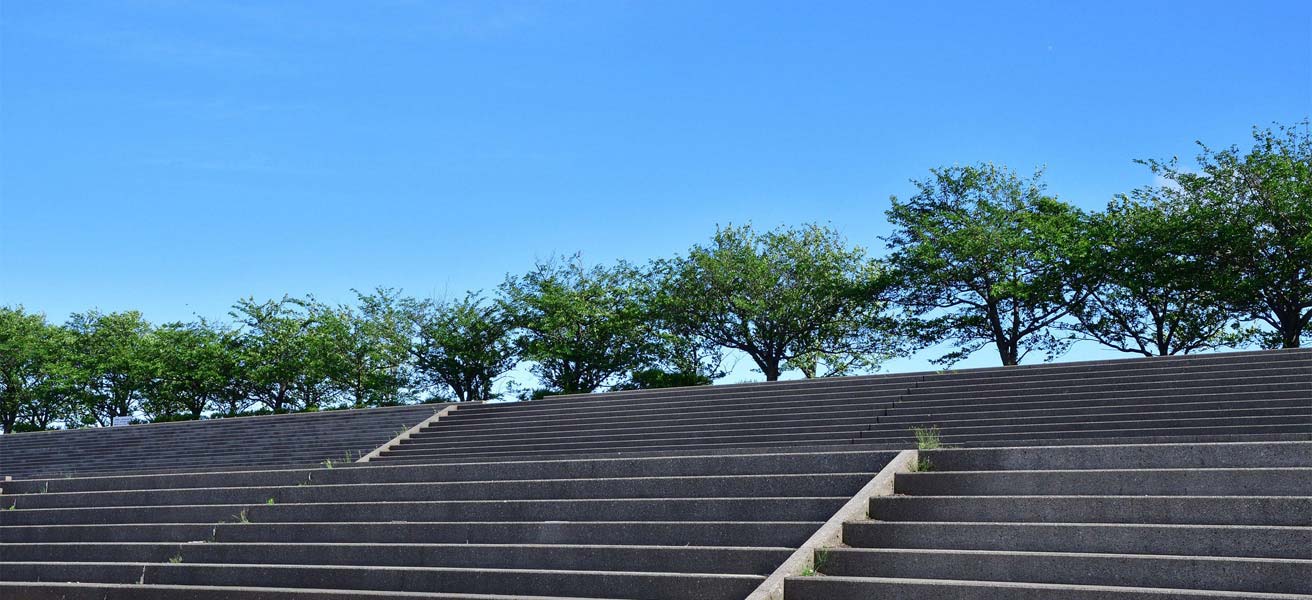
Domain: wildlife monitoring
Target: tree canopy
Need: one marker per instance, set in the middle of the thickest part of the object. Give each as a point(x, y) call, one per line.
point(982, 255)
point(790, 298)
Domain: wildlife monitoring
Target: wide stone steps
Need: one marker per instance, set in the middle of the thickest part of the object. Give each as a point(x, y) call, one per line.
point(1241, 394)
point(703, 493)
point(1098, 522)
point(296, 439)
point(710, 526)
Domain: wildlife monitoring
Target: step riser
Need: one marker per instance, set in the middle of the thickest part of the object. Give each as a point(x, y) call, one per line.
point(109, 591)
point(603, 404)
point(1188, 377)
point(846, 588)
point(1256, 400)
point(741, 534)
point(1122, 483)
point(819, 419)
point(1022, 395)
point(1292, 424)
point(735, 509)
point(1211, 456)
point(520, 416)
point(1243, 575)
point(1092, 419)
point(1254, 542)
point(654, 587)
point(574, 558)
point(712, 487)
point(759, 464)
point(1068, 509)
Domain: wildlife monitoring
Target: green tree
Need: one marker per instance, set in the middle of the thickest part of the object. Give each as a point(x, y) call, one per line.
point(367, 348)
point(1151, 297)
point(982, 255)
point(463, 346)
point(111, 363)
point(196, 371)
point(788, 298)
point(30, 351)
point(582, 328)
point(1253, 213)
point(276, 350)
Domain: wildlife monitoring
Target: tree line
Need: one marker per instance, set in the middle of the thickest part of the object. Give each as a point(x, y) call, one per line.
point(979, 256)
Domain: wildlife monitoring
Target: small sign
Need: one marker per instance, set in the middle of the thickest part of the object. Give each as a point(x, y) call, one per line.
point(121, 421)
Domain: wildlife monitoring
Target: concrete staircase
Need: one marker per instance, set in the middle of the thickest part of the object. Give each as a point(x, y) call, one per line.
point(1177, 398)
point(656, 528)
point(693, 493)
point(299, 439)
point(1194, 521)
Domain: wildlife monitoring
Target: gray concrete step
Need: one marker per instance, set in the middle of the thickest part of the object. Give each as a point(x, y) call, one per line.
point(572, 557)
point(1286, 576)
point(1180, 540)
point(1286, 481)
point(28, 590)
point(664, 509)
point(1182, 510)
point(646, 586)
point(1111, 379)
point(1094, 406)
point(1022, 394)
point(655, 533)
point(781, 461)
point(1167, 456)
point(684, 486)
point(865, 588)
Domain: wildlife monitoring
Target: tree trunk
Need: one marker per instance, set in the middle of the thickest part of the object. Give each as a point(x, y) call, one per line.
point(1007, 352)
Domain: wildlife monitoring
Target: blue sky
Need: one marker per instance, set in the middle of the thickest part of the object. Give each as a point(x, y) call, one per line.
point(172, 156)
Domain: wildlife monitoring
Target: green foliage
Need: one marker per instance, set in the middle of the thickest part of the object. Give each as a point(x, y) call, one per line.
point(197, 369)
point(582, 328)
point(111, 363)
point(1152, 295)
point(927, 438)
point(1252, 214)
point(788, 298)
point(365, 350)
point(982, 255)
point(463, 346)
point(284, 367)
point(33, 368)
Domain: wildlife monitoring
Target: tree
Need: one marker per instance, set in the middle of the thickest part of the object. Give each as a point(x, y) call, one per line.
point(1253, 213)
point(463, 346)
point(788, 298)
point(582, 328)
point(367, 348)
point(196, 371)
point(111, 363)
point(277, 352)
point(1151, 297)
point(29, 367)
point(982, 255)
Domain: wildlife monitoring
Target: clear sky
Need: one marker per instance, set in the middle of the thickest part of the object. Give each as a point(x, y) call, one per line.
point(172, 156)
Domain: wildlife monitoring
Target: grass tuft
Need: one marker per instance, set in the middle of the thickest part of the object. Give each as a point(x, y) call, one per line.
point(927, 438)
